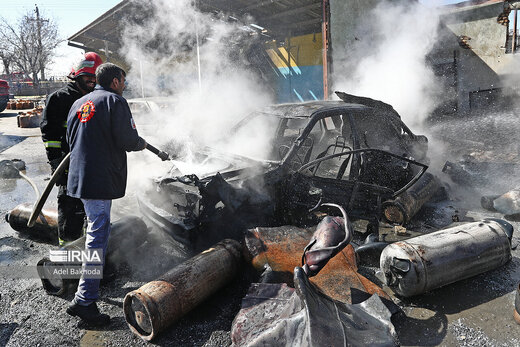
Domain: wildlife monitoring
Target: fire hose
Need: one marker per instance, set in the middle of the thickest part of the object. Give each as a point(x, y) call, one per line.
point(59, 172)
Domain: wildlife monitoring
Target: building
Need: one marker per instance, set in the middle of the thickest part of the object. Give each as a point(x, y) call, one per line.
point(299, 43)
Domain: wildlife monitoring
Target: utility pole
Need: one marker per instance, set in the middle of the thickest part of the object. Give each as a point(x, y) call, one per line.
point(40, 48)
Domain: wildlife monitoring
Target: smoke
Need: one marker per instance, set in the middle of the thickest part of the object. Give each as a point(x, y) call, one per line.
point(389, 58)
point(199, 60)
point(510, 79)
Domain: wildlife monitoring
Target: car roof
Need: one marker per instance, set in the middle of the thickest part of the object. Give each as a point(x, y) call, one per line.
point(159, 99)
point(305, 110)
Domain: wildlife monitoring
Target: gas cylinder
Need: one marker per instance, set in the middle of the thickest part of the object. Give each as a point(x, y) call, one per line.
point(401, 209)
point(46, 226)
point(429, 261)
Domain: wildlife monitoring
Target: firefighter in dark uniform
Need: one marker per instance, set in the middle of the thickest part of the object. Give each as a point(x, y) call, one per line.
point(100, 132)
point(71, 214)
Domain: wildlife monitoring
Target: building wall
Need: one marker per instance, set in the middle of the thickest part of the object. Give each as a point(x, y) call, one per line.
point(345, 18)
point(299, 68)
point(472, 76)
point(477, 40)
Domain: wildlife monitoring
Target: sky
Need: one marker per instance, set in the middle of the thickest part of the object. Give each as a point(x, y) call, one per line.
point(73, 15)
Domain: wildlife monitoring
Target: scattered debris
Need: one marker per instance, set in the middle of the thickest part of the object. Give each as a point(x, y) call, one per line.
point(276, 315)
point(11, 168)
point(463, 41)
point(469, 336)
point(460, 174)
point(277, 251)
point(508, 203)
point(426, 262)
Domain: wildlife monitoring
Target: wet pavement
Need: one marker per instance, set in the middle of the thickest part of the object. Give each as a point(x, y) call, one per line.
point(473, 312)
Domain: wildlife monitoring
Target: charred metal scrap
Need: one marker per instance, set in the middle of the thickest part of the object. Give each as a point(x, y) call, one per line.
point(11, 168)
point(277, 315)
point(355, 153)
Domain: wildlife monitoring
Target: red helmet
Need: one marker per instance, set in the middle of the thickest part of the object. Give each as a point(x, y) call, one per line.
point(88, 65)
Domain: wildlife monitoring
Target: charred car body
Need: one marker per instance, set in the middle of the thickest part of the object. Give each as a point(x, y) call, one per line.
point(355, 152)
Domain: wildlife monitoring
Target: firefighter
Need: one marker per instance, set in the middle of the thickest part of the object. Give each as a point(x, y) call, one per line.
point(71, 214)
point(100, 132)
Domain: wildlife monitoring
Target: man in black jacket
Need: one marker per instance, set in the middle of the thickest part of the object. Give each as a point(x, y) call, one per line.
point(71, 215)
point(100, 130)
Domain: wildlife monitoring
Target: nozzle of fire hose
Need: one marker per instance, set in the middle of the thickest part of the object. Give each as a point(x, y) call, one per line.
point(163, 155)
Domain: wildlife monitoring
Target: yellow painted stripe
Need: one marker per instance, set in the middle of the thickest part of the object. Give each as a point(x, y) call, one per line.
point(305, 50)
point(277, 61)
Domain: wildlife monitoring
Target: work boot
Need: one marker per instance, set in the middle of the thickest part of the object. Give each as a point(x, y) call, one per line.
point(90, 314)
point(517, 304)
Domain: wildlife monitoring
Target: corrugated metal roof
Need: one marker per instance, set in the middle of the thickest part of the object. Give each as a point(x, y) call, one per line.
point(279, 18)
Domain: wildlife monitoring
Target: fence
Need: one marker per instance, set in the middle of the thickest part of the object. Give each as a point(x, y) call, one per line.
point(25, 89)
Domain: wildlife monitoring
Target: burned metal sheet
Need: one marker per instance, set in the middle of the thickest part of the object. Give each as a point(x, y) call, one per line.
point(281, 248)
point(277, 315)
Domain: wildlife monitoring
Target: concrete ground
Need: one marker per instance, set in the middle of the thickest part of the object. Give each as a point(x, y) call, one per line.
point(473, 312)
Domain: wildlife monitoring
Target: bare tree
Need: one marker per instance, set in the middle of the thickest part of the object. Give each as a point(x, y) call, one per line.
point(6, 56)
point(29, 44)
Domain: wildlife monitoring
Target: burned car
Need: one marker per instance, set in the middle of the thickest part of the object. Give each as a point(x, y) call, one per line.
point(355, 152)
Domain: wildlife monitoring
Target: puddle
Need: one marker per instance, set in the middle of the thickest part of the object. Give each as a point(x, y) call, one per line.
point(7, 141)
point(8, 253)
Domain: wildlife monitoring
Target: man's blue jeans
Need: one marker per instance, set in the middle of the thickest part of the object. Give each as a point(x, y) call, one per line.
point(98, 230)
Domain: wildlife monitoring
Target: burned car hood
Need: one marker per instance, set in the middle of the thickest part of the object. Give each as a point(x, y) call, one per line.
point(207, 161)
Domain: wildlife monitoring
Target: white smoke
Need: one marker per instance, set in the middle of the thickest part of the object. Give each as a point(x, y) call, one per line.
point(197, 58)
point(389, 60)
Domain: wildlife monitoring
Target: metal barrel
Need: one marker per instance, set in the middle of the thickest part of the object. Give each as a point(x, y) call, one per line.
point(426, 262)
point(46, 225)
point(401, 209)
point(153, 307)
point(126, 234)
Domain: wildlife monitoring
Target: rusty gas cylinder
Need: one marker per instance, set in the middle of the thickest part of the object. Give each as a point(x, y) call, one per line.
point(426, 262)
point(46, 225)
point(153, 307)
point(401, 209)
